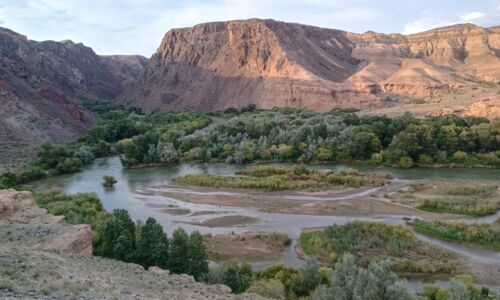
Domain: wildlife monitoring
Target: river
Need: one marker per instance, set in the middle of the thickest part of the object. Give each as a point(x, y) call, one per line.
point(136, 191)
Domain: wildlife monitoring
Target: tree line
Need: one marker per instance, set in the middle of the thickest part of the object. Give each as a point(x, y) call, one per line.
point(116, 236)
point(165, 138)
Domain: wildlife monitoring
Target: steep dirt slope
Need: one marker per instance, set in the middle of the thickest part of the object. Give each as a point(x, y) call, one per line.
point(222, 64)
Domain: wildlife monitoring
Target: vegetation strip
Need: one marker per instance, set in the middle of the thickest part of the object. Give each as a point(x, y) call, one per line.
point(483, 235)
point(286, 178)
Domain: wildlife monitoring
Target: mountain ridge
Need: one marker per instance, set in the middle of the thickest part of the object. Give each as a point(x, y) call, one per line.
point(215, 65)
point(42, 85)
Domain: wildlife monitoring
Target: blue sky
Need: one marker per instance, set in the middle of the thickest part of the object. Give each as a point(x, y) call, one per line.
point(137, 27)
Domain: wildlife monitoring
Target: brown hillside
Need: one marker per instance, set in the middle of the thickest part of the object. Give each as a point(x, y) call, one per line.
point(217, 65)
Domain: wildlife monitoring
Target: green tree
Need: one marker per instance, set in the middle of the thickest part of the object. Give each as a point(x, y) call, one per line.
point(363, 144)
point(118, 225)
point(152, 245)
point(197, 255)
point(179, 246)
point(238, 278)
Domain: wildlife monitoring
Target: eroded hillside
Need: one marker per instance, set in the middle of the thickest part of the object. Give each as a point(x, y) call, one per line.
point(217, 65)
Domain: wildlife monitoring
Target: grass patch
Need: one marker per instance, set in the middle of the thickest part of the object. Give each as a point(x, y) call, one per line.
point(482, 191)
point(315, 244)
point(468, 207)
point(371, 241)
point(483, 235)
point(286, 178)
point(470, 199)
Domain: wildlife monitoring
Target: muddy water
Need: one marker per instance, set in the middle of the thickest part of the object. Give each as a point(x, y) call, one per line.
point(138, 191)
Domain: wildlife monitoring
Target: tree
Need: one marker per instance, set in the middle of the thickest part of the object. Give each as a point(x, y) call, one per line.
point(178, 261)
point(118, 225)
point(458, 290)
point(343, 278)
point(166, 153)
point(152, 245)
point(363, 144)
point(69, 165)
point(123, 248)
point(310, 277)
point(238, 278)
point(351, 282)
point(197, 255)
point(85, 154)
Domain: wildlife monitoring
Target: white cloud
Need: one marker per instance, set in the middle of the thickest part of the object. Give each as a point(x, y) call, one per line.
point(137, 26)
point(432, 19)
point(472, 16)
point(428, 20)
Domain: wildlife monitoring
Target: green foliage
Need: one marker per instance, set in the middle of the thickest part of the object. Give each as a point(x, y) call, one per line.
point(291, 278)
point(470, 207)
point(373, 242)
point(152, 245)
point(109, 180)
point(197, 256)
point(280, 178)
point(269, 288)
point(315, 244)
point(179, 245)
point(278, 135)
point(82, 208)
point(351, 282)
point(405, 162)
point(117, 236)
point(237, 277)
point(483, 235)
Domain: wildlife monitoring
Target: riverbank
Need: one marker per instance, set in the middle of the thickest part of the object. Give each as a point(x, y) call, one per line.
point(148, 192)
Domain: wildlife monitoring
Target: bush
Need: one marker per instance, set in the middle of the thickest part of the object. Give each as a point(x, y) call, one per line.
point(109, 180)
point(405, 162)
point(269, 288)
point(459, 156)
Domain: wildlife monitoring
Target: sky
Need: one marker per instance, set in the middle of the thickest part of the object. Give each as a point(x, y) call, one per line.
point(137, 26)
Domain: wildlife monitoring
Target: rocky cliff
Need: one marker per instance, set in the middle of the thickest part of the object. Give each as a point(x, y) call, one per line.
point(217, 65)
point(42, 84)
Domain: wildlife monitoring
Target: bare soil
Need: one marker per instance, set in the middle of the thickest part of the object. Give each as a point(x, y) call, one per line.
point(250, 247)
point(275, 202)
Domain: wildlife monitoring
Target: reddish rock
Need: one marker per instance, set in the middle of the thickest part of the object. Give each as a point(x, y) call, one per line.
point(217, 65)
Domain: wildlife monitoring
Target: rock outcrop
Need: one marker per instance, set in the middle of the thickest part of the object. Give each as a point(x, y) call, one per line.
point(217, 65)
point(487, 108)
point(23, 223)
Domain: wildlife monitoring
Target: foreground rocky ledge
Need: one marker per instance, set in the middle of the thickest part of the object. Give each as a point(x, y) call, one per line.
point(41, 257)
